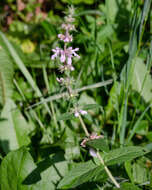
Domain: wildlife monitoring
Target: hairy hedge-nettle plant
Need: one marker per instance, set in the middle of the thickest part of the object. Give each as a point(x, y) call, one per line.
point(65, 57)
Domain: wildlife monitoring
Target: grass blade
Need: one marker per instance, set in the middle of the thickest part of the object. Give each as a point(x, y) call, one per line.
point(23, 69)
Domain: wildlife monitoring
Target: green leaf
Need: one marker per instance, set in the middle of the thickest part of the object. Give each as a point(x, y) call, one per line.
point(87, 171)
point(124, 154)
point(142, 128)
point(113, 101)
point(136, 125)
point(13, 128)
point(100, 144)
point(144, 17)
point(18, 171)
point(141, 174)
point(141, 80)
point(65, 116)
point(128, 168)
point(85, 99)
point(91, 106)
point(105, 32)
point(48, 173)
point(80, 174)
point(70, 143)
point(128, 186)
point(111, 9)
point(15, 167)
point(6, 76)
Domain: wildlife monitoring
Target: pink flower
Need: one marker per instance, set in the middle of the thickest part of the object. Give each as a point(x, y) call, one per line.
point(68, 27)
point(29, 16)
point(60, 80)
point(78, 112)
point(83, 143)
point(65, 54)
point(40, 1)
point(66, 67)
point(92, 152)
point(71, 53)
point(37, 10)
point(95, 136)
point(65, 38)
point(91, 137)
point(56, 53)
point(20, 5)
point(83, 112)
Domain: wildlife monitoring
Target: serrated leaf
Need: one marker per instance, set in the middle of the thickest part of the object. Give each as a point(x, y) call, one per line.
point(80, 174)
point(124, 154)
point(100, 144)
point(13, 128)
point(128, 186)
point(86, 171)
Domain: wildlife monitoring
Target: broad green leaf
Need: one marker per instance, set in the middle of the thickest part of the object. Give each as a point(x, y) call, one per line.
point(80, 174)
point(113, 101)
point(65, 116)
point(48, 173)
point(87, 171)
point(6, 76)
point(105, 32)
point(111, 9)
point(128, 186)
point(90, 106)
point(124, 154)
point(137, 171)
point(128, 167)
point(142, 128)
point(141, 80)
point(15, 167)
point(85, 99)
point(100, 144)
point(117, 7)
point(18, 171)
point(70, 143)
point(141, 173)
point(13, 128)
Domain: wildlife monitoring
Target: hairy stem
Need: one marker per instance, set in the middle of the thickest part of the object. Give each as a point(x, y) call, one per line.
point(83, 126)
point(99, 156)
point(107, 170)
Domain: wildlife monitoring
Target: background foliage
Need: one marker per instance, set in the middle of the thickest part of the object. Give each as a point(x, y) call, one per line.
point(39, 137)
